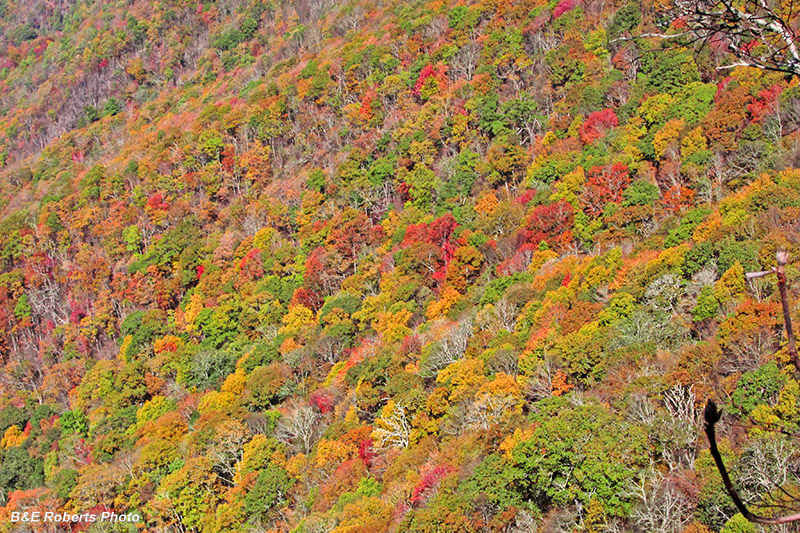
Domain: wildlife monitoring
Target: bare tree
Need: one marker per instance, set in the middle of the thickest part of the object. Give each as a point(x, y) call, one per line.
point(641, 410)
point(227, 449)
point(540, 385)
point(506, 313)
point(748, 350)
point(664, 293)
point(329, 348)
point(489, 409)
point(393, 429)
point(678, 433)
point(319, 524)
point(758, 33)
point(465, 60)
point(525, 522)
point(449, 349)
point(662, 507)
point(767, 463)
point(300, 427)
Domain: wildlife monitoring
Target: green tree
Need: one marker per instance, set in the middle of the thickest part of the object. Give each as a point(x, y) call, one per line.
point(580, 453)
point(759, 387)
point(640, 193)
point(270, 490)
point(20, 470)
point(74, 422)
point(707, 304)
point(190, 493)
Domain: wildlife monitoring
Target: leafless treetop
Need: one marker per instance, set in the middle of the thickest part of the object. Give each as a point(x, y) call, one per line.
point(759, 33)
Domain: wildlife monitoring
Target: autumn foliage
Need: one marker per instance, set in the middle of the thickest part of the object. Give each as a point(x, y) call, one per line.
point(412, 266)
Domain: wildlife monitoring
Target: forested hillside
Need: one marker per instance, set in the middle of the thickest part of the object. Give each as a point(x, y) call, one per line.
point(409, 266)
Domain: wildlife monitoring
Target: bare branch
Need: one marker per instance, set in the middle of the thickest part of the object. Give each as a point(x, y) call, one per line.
point(712, 415)
point(782, 258)
point(755, 33)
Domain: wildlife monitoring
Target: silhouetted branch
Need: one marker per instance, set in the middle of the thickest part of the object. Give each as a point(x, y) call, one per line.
point(711, 416)
point(782, 258)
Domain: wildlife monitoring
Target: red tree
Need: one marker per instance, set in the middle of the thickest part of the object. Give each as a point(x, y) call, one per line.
point(605, 186)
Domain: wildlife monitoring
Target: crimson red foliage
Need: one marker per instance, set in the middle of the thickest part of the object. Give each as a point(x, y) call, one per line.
point(764, 103)
point(307, 298)
point(605, 185)
point(366, 451)
point(430, 480)
point(323, 401)
point(426, 72)
point(597, 125)
point(518, 262)
point(411, 344)
point(157, 202)
point(551, 223)
point(525, 197)
point(437, 232)
point(565, 6)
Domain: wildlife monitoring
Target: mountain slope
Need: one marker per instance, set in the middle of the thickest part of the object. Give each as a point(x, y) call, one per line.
point(426, 266)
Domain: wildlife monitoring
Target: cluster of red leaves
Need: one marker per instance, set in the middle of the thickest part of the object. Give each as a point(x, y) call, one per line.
point(526, 197)
point(411, 344)
point(518, 262)
point(366, 451)
point(83, 452)
point(249, 256)
point(597, 124)
point(429, 481)
point(764, 103)
point(438, 233)
point(366, 104)
point(307, 298)
point(428, 71)
point(565, 6)
point(323, 401)
point(605, 185)
point(550, 223)
point(677, 198)
point(156, 202)
point(228, 161)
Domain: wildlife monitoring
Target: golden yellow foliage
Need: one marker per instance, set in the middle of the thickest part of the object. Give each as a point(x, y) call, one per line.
point(666, 138)
point(462, 378)
point(264, 238)
point(255, 454)
point(693, 142)
point(731, 286)
point(216, 401)
point(705, 230)
point(193, 309)
point(486, 204)
point(297, 320)
point(511, 441)
point(13, 437)
point(333, 452)
point(167, 343)
point(235, 382)
point(440, 307)
point(289, 345)
point(570, 186)
point(392, 325)
point(296, 465)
